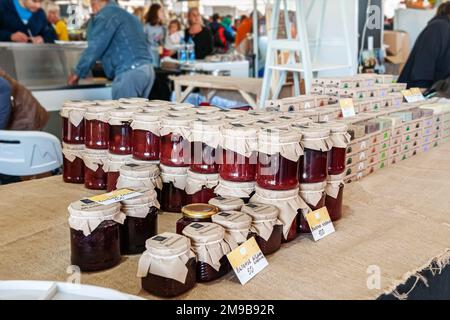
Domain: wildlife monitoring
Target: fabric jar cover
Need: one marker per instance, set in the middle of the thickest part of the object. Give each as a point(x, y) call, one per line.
point(334, 183)
point(72, 151)
point(147, 121)
point(207, 132)
point(94, 158)
point(311, 193)
point(115, 161)
point(234, 189)
point(283, 141)
point(264, 218)
point(119, 116)
point(134, 175)
point(315, 138)
point(239, 138)
point(227, 203)
point(176, 125)
point(236, 224)
point(74, 111)
point(139, 207)
point(196, 181)
point(100, 113)
point(175, 175)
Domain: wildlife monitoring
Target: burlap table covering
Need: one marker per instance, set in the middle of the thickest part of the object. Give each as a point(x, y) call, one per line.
point(396, 219)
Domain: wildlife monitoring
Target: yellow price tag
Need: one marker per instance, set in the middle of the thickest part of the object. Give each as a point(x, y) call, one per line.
point(347, 107)
point(319, 222)
point(115, 196)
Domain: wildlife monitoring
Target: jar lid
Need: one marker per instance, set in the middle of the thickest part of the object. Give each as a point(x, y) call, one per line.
point(182, 113)
point(157, 103)
point(73, 147)
point(233, 113)
point(334, 126)
point(67, 108)
point(86, 209)
point(132, 105)
point(206, 126)
point(204, 232)
point(227, 203)
point(95, 154)
point(147, 196)
point(310, 132)
point(313, 187)
point(147, 116)
point(244, 121)
point(260, 211)
point(168, 244)
point(206, 109)
point(121, 113)
point(99, 109)
point(232, 220)
point(106, 102)
point(210, 116)
point(199, 210)
point(279, 136)
point(239, 130)
point(173, 170)
point(181, 106)
point(139, 170)
point(177, 121)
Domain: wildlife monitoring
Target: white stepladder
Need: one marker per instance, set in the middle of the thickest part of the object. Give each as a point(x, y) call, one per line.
point(299, 47)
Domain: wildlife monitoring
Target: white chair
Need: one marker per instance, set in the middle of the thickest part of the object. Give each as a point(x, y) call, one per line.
point(26, 153)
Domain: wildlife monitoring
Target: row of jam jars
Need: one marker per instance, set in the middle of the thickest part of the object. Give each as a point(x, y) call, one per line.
point(288, 203)
point(141, 222)
point(95, 235)
point(239, 153)
point(173, 193)
point(205, 138)
point(175, 145)
point(314, 196)
point(313, 166)
point(72, 115)
point(112, 169)
point(146, 135)
point(196, 212)
point(120, 131)
point(95, 177)
point(211, 249)
point(266, 227)
point(237, 226)
point(334, 196)
point(200, 187)
point(162, 250)
point(139, 175)
point(241, 190)
point(279, 153)
point(73, 165)
point(97, 127)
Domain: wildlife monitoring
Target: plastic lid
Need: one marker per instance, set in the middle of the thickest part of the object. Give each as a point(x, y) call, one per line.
point(199, 210)
point(204, 232)
point(139, 170)
point(86, 208)
point(168, 244)
point(232, 220)
point(227, 203)
point(148, 195)
point(260, 211)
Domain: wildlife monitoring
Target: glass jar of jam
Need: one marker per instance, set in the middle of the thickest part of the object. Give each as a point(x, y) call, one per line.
point(72, 115)
point(136, 176)
point(94, 235)
point(334, 196)
point(120, 131)
point(279, 152)
point(173, 193)
point(162, 250)
point(205, 139)
point(141, 222)
point(313, 166)
point(146, 135)
point(242, 190)
point(314, 196)
point(94, 175)
point(112, 168)
point(97, 127)
point(339, 139)
point(267, 228)
point(196, 212)
point(237, 226)
point(73, 165)
point(200, 187)
point(239, 153)
point(175, 145)
point(227, 203)
point(208, 244)
point(288, 203)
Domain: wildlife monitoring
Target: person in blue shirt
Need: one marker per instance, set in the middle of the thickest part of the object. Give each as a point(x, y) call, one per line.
point(117, 39)
point(24, 21)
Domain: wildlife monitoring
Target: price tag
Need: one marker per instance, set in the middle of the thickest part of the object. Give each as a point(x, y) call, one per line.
point(247, 260)
point(115, 196)
point(320, 223)
point(347, 107)
point(413, 95)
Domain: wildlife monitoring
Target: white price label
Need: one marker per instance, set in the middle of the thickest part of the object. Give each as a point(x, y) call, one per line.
point(320, 223)
point(115, 196)
point(347, 107)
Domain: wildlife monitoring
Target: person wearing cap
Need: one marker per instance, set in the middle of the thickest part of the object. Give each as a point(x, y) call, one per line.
point(117, 39)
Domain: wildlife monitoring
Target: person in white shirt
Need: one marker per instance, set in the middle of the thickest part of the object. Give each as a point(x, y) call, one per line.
point(173, 37)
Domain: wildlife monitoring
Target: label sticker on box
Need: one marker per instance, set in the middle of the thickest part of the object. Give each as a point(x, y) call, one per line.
point(247, 260)
point(413, 95)
point(319, 222)
point(115, 196)
point(347, 107)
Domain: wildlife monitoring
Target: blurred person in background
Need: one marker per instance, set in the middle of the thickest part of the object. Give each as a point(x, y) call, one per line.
point(244, 28)
point(24, 21)
point(117, 38)
point(429, 60)
point(221, 37)
point(201, 36)
point(155, 32)
point(53, 16)
point(173, 38)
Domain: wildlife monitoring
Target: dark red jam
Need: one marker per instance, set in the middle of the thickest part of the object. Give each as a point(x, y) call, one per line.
point(96, 134)
point(175, 150)
point(111, 180)
point(172, 198)
point(72, 134)
point(206, 273)
point(120, 139)
point(274, 172)
point(303, 226)
point(236, 167)
point(202, 196)
point(313, 166)
point(146, 145)
point(336, 161)
point(292, 234)
point(98, 251)
point(95, 180)
point(334, 206)
point(135, 231)
point(203, 158)
point(73, 172)
point(273, 244)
